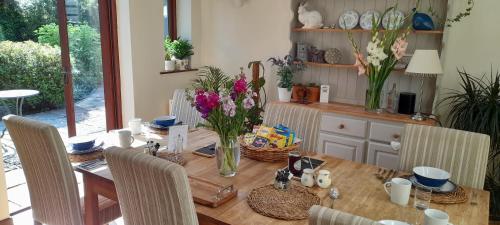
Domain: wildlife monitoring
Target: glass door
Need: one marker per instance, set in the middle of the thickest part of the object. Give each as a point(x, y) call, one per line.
point(84, 86)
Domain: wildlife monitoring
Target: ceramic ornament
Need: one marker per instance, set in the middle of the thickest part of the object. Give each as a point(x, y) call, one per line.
point(310, 19)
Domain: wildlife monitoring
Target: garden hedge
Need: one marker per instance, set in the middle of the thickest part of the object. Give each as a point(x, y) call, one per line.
point(30, 65)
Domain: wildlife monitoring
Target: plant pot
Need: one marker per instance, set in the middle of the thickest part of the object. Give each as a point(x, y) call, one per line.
point(313, 94)
point(170, 65)
point(284, 95)
point(227, 156)
point(297, 92)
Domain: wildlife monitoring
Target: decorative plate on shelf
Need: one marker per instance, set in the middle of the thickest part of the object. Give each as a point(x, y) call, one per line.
point(366, 20)
point(333, 56)
point(349, 20)
point(393, 20)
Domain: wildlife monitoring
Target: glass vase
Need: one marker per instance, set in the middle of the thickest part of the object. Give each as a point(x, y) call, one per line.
point(372, 101)
point(228, 156)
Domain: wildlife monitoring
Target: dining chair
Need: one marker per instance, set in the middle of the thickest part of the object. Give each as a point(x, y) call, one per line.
point(463, 154)
point(183, 109)
point(51, 181)
point(303, 120)
point(319, 215)
point(151, 190)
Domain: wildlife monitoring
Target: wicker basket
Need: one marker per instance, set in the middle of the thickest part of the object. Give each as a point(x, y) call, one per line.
point(267, 154)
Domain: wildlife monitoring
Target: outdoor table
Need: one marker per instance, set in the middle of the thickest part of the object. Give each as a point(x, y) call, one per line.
point(19, 95)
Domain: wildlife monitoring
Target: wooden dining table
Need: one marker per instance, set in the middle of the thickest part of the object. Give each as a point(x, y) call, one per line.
point(361, 193)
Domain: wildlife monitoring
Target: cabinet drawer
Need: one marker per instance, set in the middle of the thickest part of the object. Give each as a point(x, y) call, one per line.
point(385, 132)
point(383, 156)
point(342, 147)
point(342, 125)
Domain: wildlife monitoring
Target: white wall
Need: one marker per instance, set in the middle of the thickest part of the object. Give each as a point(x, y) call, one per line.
point(472, 44)
point(233, 36)
point(145, 93)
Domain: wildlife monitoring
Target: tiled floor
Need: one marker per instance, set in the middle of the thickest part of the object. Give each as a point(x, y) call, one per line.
point(90, 116)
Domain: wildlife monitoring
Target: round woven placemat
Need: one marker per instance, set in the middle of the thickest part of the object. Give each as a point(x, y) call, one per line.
point(292, 204)
point(172, 157)
point(85, 157)
point(454, 197)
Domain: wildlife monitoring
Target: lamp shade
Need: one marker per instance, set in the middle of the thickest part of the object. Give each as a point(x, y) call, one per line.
point(425, 63)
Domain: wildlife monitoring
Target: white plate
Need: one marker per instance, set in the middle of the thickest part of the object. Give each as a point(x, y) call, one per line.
point(392, 222)
point(366, 20)
point(393, 20)
point(349, 20)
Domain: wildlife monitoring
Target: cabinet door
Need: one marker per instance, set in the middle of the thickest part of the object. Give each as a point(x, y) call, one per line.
point(342, 147)
point(383, 156)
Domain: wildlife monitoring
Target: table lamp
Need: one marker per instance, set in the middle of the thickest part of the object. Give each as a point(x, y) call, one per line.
point(423, 64)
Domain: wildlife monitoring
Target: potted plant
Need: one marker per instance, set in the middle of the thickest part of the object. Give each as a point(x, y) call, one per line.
point(181, 50)
point(313, 92)
point(225, 103)
point(287, 67)
point(169, 62)
point(297, 92)
point(476, 108)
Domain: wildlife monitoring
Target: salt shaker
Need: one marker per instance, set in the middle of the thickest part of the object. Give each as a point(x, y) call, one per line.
point(307, 178)
point(324, 179)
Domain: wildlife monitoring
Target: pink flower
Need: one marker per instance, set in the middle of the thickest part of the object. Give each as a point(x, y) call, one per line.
point(229, 108)
point(360, 63)
point(240, 85)
point(248, 102)
point(205, 102)
point(399, 48)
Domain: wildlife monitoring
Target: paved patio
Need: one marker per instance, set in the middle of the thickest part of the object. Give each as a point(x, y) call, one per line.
point(90, 119)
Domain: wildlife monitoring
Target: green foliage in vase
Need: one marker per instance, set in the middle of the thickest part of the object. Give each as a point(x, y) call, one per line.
point(287, 67)
point(167, 44)
point(476, 108)
point(85, 53)
point(30, 65)
point(180, 48)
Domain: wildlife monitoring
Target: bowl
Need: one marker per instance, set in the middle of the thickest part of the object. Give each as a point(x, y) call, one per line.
point(164, 121)
point(392, 222)
point(430, 176)
point(81, 143)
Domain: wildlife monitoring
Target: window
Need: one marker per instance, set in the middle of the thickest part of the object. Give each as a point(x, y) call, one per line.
point(169, 19)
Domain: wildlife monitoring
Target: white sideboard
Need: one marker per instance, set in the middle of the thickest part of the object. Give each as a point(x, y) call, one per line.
point(361, 139)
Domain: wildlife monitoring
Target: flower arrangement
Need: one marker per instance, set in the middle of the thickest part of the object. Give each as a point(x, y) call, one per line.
point(224, 102)
point(383, 52)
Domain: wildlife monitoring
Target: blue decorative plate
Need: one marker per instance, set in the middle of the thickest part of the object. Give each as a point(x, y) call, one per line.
point(448, 187)
point(97, 146)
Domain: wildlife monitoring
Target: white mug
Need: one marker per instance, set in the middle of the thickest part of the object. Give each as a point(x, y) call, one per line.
point(400, 190)
point(135, 126)
point(124, 138)
point(436, 217)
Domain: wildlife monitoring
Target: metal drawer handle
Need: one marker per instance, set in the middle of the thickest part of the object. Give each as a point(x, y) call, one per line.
point(341, 126)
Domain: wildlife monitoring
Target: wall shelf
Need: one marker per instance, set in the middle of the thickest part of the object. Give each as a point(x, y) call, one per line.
point(338, 66)
point(359, 30)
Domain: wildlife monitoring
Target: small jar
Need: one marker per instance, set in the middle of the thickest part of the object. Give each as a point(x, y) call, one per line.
point(307, 178)
point(282, 185)
point(324, 179)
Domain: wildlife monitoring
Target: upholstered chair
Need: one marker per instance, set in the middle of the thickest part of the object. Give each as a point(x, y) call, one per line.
point(463, 154)
point(303, 120)
point(184, 111)
point(51, 181)
point(151, 190)
point(319, 215)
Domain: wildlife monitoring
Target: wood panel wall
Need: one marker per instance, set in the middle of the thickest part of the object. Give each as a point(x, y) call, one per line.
point(345, 85)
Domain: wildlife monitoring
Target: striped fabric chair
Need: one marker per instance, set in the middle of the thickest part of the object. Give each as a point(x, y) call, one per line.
point(50, 177)
point(319, 215)
point(304, 121)
point(151, 191)
point(184, 111)
point(463, 154)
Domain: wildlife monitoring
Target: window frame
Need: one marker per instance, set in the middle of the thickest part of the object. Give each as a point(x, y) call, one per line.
point(172, 19)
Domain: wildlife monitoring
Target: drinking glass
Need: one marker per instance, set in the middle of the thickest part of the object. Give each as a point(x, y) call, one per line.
point(421, 202)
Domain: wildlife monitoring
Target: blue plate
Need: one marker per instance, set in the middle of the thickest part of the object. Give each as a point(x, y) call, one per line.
point(164, 121)
point(446, 188)
point(431, 176)
point(81, 143)
point(95, 147)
